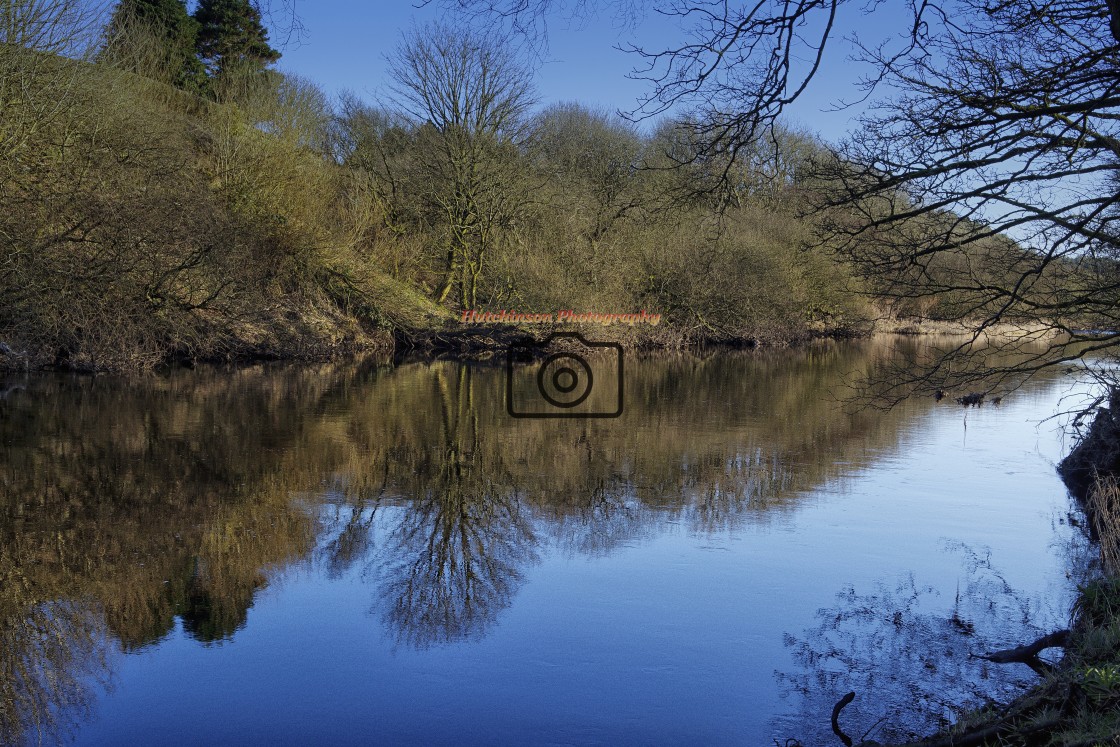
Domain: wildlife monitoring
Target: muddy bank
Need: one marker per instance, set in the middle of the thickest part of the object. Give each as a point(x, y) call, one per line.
point(1092, 473)
point(328, 336)
point(1097, 453)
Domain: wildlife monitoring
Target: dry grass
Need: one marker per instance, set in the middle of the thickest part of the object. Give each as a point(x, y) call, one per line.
point(1102, 505)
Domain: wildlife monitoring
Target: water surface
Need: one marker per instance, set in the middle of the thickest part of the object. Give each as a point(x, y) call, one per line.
point(355, 554)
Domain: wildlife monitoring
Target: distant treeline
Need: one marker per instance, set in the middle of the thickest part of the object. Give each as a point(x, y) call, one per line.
point(165, 194)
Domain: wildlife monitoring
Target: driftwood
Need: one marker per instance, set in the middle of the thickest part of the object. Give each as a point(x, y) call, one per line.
point(1028, 654)
point(836, 718)
point(477, 342)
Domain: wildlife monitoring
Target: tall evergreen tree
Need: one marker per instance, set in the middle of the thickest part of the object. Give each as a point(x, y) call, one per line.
point(157, 38)
point(232, 36)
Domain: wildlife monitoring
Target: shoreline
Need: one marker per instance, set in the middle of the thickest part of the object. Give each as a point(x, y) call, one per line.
point(1093, 645)
point(1076, 703)
point(446, 338)
point(451, 341)
point(920, 327)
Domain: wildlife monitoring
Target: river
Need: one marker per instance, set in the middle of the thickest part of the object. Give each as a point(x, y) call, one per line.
point(362, 553)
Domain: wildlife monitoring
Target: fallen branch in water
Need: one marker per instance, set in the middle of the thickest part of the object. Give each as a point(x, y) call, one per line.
point(836, 718)
point(1024, 718)
point(839, 732)
point(1028, 654)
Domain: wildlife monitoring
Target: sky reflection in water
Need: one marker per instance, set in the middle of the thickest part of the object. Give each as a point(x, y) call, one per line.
point(347, 554)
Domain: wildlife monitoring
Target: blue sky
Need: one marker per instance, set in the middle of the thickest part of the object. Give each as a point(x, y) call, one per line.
point(345, 43)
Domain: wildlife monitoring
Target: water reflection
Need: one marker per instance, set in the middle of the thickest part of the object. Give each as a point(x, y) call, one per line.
point(128, 505)
point(52, 655)
point(453, 558)
point(124, 506)
point(913, 657)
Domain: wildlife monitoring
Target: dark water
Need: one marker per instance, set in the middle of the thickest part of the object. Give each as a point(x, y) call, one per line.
point(352, 554)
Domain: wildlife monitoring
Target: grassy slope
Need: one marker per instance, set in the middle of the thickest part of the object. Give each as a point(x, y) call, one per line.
point(141, 223)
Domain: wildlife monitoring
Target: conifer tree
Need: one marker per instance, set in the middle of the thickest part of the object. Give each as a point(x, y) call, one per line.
point(168, 34)
point(232, 36)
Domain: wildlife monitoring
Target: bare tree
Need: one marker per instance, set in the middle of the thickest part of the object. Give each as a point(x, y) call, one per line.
point(990, 180)
point(467, 95)
point(983, 181)
point(37, 38)
point(593, 157)
point(63, 27)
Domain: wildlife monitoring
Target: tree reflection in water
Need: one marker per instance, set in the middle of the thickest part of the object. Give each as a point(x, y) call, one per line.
point(123, 506)
point(453, 560)
point(911, 657)
point(53, 656)
point(128, 505)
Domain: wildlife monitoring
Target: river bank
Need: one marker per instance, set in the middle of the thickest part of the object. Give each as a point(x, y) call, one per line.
point(1077, 701)
point(425, 330)
point(427, 333)
point(919, 326)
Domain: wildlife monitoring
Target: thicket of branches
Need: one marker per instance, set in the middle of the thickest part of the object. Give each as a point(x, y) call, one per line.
point(979, 184)
point(141, 221)
point(492, 204)
point(162, 201)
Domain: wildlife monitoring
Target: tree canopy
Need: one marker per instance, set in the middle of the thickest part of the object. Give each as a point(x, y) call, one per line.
point(232, 36)
point(469, 95)
point(984, 171)
point(157, 38)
